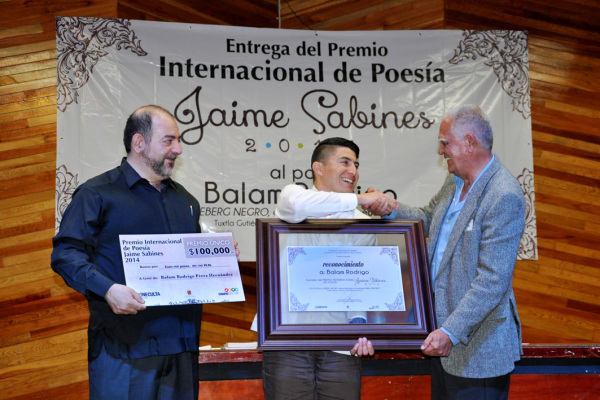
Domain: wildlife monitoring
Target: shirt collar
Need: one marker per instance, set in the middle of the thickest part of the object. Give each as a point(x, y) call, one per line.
point(460, 182)
point(132, 177)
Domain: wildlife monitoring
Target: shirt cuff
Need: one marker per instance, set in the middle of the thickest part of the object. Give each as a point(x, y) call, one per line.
point(454, 339)
point(352, 200)
point(358, 320)
point(100, 284)
point(392, 215)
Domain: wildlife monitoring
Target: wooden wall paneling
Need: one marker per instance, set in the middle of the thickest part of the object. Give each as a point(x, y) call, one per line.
point(563, 70)
point(575, 27)
point(362, 15)
point(43, 346)
point(247, 389)
point(259, 13)
point(43, 322)
point(230, 322)
point(564, 47)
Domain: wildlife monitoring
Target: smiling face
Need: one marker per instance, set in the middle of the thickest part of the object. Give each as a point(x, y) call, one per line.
point(159, 155)
point(338, 173)
point(454, 150)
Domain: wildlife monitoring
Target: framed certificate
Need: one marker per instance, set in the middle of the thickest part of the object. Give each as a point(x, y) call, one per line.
point(324, 283)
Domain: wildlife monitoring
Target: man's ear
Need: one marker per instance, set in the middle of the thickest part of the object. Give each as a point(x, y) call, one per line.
point(317, 168)
point(471, 141)
point(138, 144)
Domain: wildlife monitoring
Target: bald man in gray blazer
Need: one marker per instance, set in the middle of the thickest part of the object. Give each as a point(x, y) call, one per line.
point(474, 226)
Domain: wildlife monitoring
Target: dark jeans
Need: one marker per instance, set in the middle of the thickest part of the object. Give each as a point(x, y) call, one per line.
point(309, 375)
point(449, 387)
point(171, 377)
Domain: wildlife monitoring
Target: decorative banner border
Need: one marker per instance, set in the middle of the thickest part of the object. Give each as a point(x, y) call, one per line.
point(252, 103)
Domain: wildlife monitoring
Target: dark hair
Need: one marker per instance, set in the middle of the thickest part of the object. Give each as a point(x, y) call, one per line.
point(140, 121)
point(325, 147)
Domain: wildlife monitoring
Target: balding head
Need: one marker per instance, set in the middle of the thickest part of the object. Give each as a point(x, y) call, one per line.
point(140, 121)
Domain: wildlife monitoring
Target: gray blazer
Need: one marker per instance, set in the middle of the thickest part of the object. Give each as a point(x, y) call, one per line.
point(474, 299)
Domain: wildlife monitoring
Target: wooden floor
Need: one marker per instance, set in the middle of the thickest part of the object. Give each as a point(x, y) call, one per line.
point(43, 323)
point(523, 387)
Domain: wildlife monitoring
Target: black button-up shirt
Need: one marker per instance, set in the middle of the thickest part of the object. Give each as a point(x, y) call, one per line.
point(88, 257)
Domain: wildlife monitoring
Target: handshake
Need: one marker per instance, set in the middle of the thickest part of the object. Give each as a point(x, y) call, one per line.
point(377, 202)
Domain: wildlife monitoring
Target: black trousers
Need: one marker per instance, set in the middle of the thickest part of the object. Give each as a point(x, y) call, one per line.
point(449, 387)
point(310, 375)
point(170, 377)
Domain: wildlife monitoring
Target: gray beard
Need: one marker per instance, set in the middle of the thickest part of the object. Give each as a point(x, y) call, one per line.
point(159, 167)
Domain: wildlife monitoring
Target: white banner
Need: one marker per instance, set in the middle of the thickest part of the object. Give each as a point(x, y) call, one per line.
point(252, 103)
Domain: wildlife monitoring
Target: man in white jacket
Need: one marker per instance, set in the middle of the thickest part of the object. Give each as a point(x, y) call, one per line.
point(316, 374)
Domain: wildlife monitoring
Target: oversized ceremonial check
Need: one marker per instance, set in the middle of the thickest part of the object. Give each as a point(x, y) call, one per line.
point(178, 269)
point(344, 278)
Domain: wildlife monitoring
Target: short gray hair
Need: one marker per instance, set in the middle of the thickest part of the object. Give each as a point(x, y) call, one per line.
point(471, 118)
